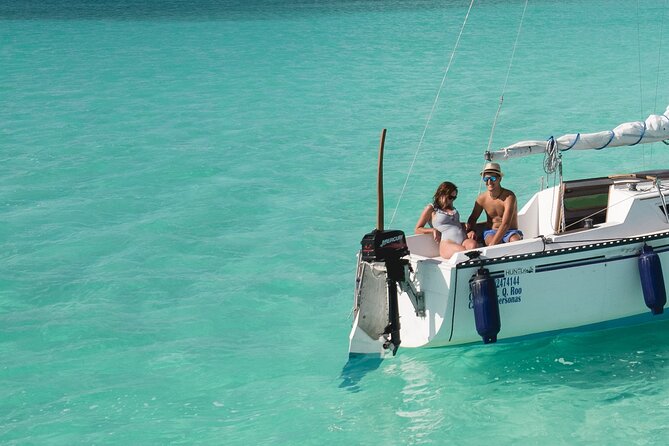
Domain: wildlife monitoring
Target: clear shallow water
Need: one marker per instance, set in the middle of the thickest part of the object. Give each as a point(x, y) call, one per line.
point(184, 186)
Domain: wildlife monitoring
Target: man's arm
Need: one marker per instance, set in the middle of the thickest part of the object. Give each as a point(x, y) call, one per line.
point(470, 227)
point(510, 209)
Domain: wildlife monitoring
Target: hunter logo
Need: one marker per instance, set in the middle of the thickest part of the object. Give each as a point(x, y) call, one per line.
point(520, 270)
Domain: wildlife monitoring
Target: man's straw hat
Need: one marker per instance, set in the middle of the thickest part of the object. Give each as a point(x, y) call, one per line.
point(492, 168)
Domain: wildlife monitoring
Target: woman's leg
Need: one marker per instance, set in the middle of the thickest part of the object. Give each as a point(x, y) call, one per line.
point(447, 248)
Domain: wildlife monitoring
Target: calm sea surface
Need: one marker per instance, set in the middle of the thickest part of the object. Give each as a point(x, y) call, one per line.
point(184, 186)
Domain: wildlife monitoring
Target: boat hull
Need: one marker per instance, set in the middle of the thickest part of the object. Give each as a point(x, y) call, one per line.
point(539, 292)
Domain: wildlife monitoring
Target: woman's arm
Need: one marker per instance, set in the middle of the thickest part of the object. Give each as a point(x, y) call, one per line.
point(424, 219)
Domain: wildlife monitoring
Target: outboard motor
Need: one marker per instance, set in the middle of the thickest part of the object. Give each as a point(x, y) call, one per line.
point(388, 247)
point(486, 307)
point(652, 280)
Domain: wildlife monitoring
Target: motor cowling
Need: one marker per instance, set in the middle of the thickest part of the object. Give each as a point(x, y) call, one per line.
point(652, 280)
point(378, 246)
point(486, 306)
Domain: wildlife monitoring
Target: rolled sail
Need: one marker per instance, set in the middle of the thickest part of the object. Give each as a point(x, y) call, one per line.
point(655, 128)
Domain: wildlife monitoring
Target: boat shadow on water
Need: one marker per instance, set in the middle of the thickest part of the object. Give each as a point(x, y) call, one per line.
point(356, 368)
point(631, 356)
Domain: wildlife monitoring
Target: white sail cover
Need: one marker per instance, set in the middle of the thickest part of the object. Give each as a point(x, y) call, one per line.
point(655, 128)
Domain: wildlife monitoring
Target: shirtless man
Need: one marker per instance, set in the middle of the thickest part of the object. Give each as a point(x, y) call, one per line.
point(500, 207)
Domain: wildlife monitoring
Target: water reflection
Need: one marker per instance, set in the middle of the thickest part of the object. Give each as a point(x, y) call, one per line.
point(421, 416)
point(508, 391)
point(578, 360)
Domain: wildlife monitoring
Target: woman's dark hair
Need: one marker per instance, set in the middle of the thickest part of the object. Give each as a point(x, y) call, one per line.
point(445, 189)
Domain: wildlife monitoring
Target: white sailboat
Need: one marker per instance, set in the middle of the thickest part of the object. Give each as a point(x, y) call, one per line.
point(595, 254)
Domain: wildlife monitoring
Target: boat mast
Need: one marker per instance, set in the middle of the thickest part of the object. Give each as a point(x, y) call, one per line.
point(379, 185)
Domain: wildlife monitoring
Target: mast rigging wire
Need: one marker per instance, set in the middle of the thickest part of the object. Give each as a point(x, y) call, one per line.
point(659, 53)
point(659, 64)
point(506, 82)
point(434, 106)
point(508, 72)
point(638, 44)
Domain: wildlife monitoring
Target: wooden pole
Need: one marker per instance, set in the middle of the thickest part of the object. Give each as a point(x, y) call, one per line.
point(379, 185)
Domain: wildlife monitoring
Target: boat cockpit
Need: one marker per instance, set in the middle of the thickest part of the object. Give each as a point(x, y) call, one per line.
point(615, 206)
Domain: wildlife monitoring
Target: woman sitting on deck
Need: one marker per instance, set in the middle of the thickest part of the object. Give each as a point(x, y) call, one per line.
point(444, 220)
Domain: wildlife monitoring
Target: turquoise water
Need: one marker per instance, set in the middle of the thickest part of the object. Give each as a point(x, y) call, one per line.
point(184, 185)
